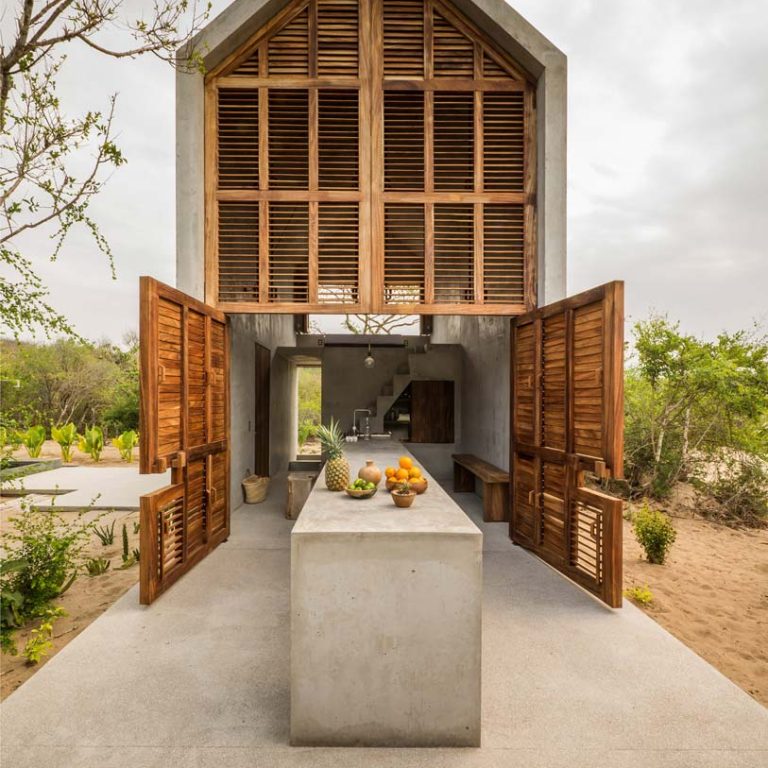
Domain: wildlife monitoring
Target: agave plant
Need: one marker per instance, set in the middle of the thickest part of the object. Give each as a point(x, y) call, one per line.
point(125, 443)
point(66, 437)
point(92, 442)
point(33, 440)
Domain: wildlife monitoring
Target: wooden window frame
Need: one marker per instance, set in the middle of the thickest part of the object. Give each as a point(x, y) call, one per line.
point(371, 196)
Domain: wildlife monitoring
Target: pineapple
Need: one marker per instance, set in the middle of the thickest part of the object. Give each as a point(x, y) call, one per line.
point(336, 467)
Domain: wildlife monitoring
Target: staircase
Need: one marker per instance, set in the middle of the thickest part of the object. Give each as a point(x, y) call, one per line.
point(441, 361)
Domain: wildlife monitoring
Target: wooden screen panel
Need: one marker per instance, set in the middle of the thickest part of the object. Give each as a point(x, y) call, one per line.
point(403, 25)
point(338, 253)
point(288, 252)
point(338, 25)
point(503, 141)
point(238, 250)
point(504, 265)
point(288, 50)
point(288, 138)
point(454, 53)
point(403, 140)
point(403, 253)
point(567, 419)
point(454, 141)
point(238, 131)
point(338, 139)
point(188, 432)
point(454, 260)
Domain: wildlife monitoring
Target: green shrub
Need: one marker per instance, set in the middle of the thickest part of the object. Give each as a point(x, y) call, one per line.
point(40, 640)
point(655, 532)
point(306, 430)
point(96, 566)
point(125, 443)
point(66, 437)
point(741, 489)
point(32, 439)
point(92, 442)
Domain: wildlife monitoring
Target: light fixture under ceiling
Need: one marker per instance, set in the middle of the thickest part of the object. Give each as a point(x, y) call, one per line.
point(369, 362)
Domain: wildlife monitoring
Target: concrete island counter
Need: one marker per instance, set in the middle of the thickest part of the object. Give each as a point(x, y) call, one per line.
point(385, 617)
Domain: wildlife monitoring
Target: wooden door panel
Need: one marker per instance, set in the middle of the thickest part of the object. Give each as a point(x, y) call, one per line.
point(567, 419)
point(185, 426)
point(432, 411)
point(261, 424)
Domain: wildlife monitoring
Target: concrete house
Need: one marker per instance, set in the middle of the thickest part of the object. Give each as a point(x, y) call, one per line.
point(368, 157)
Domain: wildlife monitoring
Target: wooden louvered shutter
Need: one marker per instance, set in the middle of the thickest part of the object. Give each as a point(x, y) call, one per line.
point(184, 384)
point(567, 420)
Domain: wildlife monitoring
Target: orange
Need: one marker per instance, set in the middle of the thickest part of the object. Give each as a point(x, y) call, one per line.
point(414, 472)
point(390, 471)
point(402, 474)
point(406, 462)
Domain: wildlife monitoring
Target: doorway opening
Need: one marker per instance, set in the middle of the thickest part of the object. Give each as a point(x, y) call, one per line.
point(309, 379)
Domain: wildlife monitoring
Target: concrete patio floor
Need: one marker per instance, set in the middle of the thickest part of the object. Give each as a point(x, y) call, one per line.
point(200, 678)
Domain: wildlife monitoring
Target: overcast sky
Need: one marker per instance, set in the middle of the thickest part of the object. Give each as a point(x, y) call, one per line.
point(667, 164)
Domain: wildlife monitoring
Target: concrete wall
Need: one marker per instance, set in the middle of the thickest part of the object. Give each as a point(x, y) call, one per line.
point(485, 383)
point(348, 384)
point(270, 331)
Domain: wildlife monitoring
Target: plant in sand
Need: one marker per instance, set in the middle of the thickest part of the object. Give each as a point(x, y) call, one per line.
point(336, 467)
point(96, 566)
point(41, 639)
point(105, 534)
point(125, 443)
point(640, 595)
point(66, 437)
point(92, 442)
point(655, 532)
point(32, 439)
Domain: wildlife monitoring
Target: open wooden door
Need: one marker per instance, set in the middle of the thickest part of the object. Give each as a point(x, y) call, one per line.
point(567, 415)
point(184, 386)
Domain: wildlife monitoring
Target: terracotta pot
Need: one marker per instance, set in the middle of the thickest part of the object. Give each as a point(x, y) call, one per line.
point(418, 484)
point(402, 500)
point(370, 472)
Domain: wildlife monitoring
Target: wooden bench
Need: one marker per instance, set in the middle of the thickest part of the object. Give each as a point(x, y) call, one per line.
point(466, 468)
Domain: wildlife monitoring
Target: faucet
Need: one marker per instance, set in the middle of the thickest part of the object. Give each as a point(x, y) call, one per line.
point(367, 412)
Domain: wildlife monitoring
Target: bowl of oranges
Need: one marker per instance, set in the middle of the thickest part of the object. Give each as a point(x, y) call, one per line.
point(405, 472)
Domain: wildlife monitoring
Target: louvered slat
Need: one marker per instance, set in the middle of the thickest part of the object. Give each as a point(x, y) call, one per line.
point(288, 252)
point(238, 127)
point(217, 377)
point(238, 247)
point(338, 139)
point(588, 380)
point(403, 140)
point(552, 504)
point(454, 141)
point(503, 254)
point(403, 38)
point(403, 253)
point(196, 505)
point(454, 53)
point(454, 277)
point(494, 70)
point(553, 382)
point(288, 50)
point(337, 38)
point(288, 138)
point(196, 389)
point(338, 237)
point(169, 388)
point(503, 141)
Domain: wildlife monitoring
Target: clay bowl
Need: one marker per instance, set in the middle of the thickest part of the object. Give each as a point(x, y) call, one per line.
point(360, 494)
point(418, 484)
point(403, 501)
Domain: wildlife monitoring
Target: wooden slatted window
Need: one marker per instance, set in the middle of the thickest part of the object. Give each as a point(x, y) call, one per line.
point(338, 139)
point(404, 257)
point(403, 25)
point(338, 235)
point(337, 38)
point(238, 249)
point(288, 138)
point(289, 252)
point(454, 254)
point(419, 130)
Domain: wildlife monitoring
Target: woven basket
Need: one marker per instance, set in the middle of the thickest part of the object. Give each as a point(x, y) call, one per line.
point(255, 489)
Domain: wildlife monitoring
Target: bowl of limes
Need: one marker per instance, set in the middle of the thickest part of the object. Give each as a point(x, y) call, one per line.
point(361, 489)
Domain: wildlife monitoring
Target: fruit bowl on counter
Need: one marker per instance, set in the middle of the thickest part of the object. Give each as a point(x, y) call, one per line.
point(361, 489)
point(408, 472)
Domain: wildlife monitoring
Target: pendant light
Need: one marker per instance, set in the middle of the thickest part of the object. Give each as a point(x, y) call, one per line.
point(369, 362)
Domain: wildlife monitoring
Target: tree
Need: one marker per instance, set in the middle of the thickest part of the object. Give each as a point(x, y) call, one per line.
point(42, 182)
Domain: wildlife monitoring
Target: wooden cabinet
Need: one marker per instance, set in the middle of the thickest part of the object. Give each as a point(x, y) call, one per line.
point(432, 407)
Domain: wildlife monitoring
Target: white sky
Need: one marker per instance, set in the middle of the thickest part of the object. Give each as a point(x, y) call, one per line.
point(668, 164)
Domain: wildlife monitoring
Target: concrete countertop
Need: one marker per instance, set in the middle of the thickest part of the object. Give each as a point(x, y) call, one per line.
point(335, 512)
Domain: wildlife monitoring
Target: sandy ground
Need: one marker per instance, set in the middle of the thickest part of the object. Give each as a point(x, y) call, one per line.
point(110, 456)
point(712, 593)
point(85, 600)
